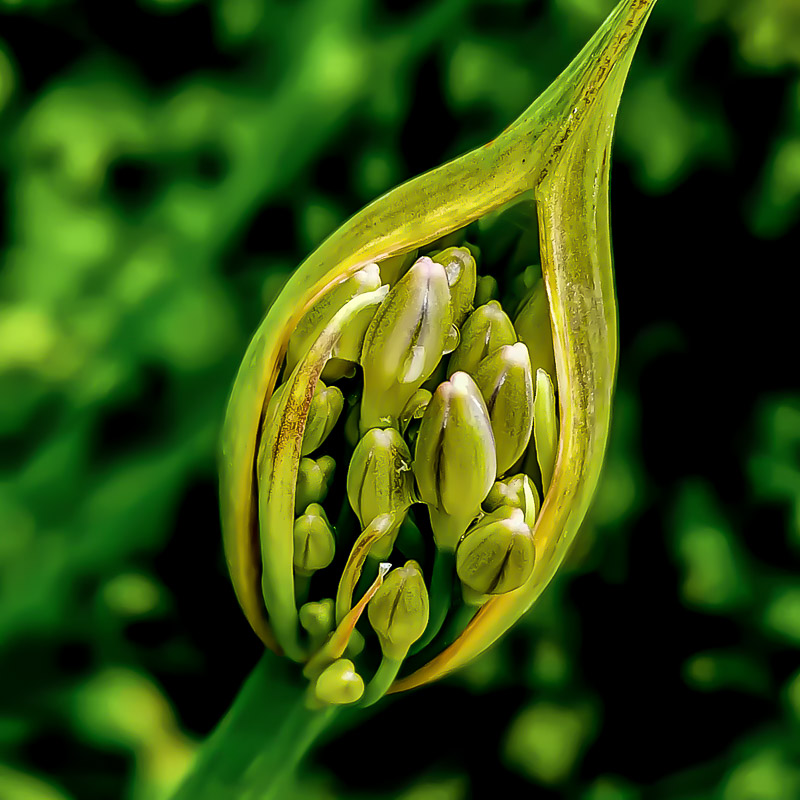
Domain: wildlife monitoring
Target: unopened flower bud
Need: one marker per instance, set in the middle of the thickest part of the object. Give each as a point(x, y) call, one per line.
point(497, 555)
point(380, 481)
point(318, 619)
point(485, 330)
point(320, 314)
point(394, 267)
point(313, 479)
point(506, 383)
point(533, 327)
point(314, 545)
point(339, 684)
point(459, 265)
point(454, 460)
point(404, 342)
point(517, 492)
point(486, 290)
point(399, 610)
point(414, 408)
point(326, 406)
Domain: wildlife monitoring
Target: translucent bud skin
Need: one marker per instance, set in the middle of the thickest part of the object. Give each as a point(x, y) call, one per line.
point(393, 268)
point(404, 342)
point(339, 684)
point(454, 458)
point(497, 555)
point(313, 479)
point(462, 277)
point(506, 383)
point(533, 327)
point(486, 290)
point(314, 545)
point(399, 610)
point(323, 414)
point(486, 329)
point(517, 492)
point(367, 279)
point(380, 481)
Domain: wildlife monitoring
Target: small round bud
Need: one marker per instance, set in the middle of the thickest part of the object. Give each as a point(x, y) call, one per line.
point(497, 555)
point(399, 610)
point(485, 330)
point(506, 383)
point(314, 545)
point(459, 265)
point(454, 459)
point(380, 481)
point(404, 342)
point(318, 618)
point(486, 290)
point(326, 406)
point(313, 480)
point(339, 684)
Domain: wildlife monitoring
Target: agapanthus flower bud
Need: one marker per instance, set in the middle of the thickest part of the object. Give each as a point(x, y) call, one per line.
point(313, 479)
point(506, 383)
point(404, 342)
point(380, 481)
point(486, 290)
point(394, 267)
point(314, 545)
point(532, 324)
point(454, 460)
point(486, 329)
point(399, 610)
point(323, 414)
point(459, 265)
point(517, 492)
point(497, 555)
point(339, 684)
point(320, 314)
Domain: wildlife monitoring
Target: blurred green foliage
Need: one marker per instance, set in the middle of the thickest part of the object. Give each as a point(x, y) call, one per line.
point(166, 164)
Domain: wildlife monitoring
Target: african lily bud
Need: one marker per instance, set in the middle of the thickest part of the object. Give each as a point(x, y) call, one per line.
point(394, 267)
point(506, 383)
point(517, 492)
point(454, 459)
point(320, 314)
point(414, 408)
point(326, 406)
point(399, 610)
point(497, 555)
point(314, 545)
point(486, 329)
point(339, 684)
point(532, 325)
point(313, 479)
point(486, 290)
point(318, 618)
point(462, 278)
point(404, 342)
point(379, 481)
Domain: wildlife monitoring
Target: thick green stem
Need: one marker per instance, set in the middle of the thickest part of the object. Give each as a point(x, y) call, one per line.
point(254, 752)
point(441, 596)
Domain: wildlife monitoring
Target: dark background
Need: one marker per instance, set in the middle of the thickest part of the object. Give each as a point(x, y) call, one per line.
point(165, 165)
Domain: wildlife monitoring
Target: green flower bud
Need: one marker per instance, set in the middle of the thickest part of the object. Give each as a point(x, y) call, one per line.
point(486, 290)
point(497, 555)
point(379, 481)
point(506, 383)
point(326, 406)
point(454, 459)
point(399, 610)
point(394, 267)
point(318, 619)
point(321, 313)
point(414, 408)
point(486, 329)
point(532, 325)
point(545, 427)
point(404, 342)
point(459, 265)
point(313, 480)
point(314, 545)
point(339, 684)
point(517, 492)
